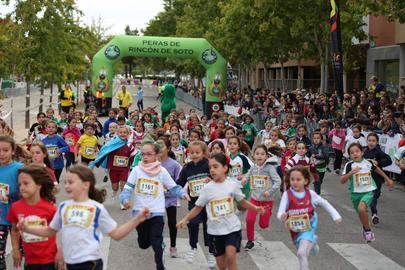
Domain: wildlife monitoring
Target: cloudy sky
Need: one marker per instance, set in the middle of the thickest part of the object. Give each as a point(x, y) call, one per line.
point(115, 14)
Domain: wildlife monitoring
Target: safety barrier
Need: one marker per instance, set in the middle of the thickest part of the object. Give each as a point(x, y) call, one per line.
point(189, 99)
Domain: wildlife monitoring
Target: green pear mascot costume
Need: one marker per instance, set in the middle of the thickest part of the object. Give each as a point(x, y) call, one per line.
point(167, 100)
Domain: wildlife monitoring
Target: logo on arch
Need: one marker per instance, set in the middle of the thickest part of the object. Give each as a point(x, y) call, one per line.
point(215, 107)
point(112, 52)
point(209, 56)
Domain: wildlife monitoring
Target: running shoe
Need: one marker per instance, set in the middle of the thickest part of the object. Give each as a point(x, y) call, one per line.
point(122, 207)
point(191, 255)
point(368, 236)
point(211, 261)
point(249, 245)
point(105, 179)
point(375, 219)
point(315, 249)
point(173, 252)
point(337, 171)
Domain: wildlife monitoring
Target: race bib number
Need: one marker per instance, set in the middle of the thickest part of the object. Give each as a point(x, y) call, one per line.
point(299, 223)
point(79, 215)
point(147, 187)
point(221, 208)
point(259, 182)
point(4, 192)
point(36, 223)
point(363, 179)
point(52, 152)
point(89, 151)
point(235, 170)
point(249, 132)
point(120, 161)
point(69, 140)
point(179, 157)
point(195, 186)
point(336, 139)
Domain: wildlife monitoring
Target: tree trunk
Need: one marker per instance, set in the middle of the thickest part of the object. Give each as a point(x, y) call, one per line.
point(59, 91)
point(27, 98)
point(282, 76)
point(41, 97)
point(51, 95)
point(265, 77)
point(327, 90)
point(299, 77)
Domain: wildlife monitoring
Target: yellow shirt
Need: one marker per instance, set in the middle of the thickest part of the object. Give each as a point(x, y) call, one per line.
point(88, 146)
point(125, 98)
point(68, 98)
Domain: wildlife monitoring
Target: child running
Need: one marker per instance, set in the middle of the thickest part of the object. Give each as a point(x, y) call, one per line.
point(56, 146)
point(224, 227)
point(319, 158)
point(71, 134)
point(39, 156)
point(297, 209)
point(36, 208)
point(361, 185)
point(373, 151)
point(195, 174)
point(169, 162)
point(8, 190)
point(87, 145)
point(264, 183)
point(82, 220)
point(147, 182)
point(239, 166)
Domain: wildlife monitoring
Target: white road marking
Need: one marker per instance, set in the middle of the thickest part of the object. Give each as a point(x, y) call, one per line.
point(275, 254)
point(105, 250)
point(180, 263)
point(364, 257)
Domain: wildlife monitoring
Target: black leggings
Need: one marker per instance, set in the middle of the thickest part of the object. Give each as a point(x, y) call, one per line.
point(150, 233)
point(58, 172)
point(70, 159)
point(171, 221)
point(194, 226)
point(338, 159)
point(4, 230)
point(49, 266)
point(140, 105)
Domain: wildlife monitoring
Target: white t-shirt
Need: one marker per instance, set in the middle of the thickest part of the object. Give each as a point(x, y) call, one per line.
point(350, 139)
point(81, 225)
point(218, 201)
point(148, 190)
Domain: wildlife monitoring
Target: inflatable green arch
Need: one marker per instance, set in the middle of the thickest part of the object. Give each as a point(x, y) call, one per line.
point(146, 46)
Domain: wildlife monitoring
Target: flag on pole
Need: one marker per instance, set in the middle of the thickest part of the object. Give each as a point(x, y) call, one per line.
point(337, 60)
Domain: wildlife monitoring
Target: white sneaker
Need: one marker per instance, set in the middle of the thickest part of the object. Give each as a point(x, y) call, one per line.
point(122, 207)
point(191, 255)
point(211, 260)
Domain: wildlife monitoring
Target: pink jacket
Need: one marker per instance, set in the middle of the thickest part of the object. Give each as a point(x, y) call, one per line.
point(338, 138)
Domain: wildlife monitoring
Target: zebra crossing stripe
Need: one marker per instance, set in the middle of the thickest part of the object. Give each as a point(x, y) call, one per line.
point(105, 250)
point(364, 257)
point(200, 262)
point(274, 253)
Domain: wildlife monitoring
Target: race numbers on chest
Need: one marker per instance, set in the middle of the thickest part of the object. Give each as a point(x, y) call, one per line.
point(35, 223)
point(79, 215)
point(120, 161)
point(148, 187)
point(221, 208)
point(69, 140)
point(52, 152)
point(363, 179)
point(89, 151)
point(259, 182)
point(4, 192)
point(300, 223)
point(235, 170)
point(195, 186)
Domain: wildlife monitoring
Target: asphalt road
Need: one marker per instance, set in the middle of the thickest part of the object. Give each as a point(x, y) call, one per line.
point(341, 246)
